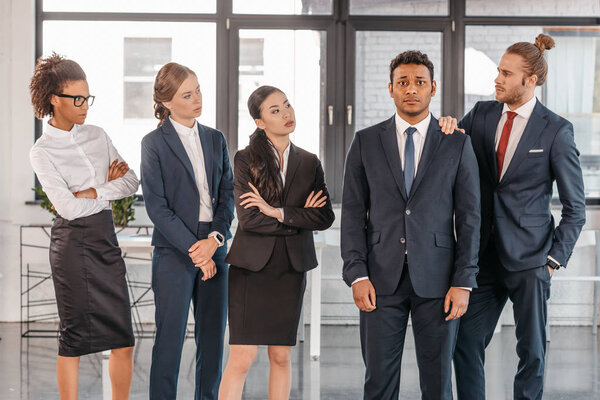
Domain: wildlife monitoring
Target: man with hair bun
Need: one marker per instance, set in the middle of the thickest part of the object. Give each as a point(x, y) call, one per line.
point(522, 149)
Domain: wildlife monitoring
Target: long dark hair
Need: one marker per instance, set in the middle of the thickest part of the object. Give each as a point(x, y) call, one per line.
point(264, 163)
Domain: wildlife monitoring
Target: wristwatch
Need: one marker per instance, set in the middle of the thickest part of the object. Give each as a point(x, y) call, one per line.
point(553, 264)
point(219, 238)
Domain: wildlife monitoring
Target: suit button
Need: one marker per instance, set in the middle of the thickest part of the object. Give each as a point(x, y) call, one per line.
point(291, 220)
point(289, 230)
point(402, 240)
point(407, 212)
point(213, 200)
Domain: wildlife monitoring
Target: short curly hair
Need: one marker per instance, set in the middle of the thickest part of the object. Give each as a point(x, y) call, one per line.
point(51, 74)
point(410, 57)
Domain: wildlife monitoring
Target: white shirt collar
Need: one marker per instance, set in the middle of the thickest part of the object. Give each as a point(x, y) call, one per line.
point(183, 130)
point(525, 110)
point(53, 131)
point(422, 126)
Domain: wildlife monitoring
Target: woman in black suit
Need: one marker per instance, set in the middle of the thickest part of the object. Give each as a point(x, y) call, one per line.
point(280, 198)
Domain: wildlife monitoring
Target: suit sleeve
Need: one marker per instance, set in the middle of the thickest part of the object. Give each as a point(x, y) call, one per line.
point(223, 214)
point(157, 205)
point(315, 219)
point(466, 122)
point(467, 217)
point(355, 205)
point(564, 161)
point(251, 219)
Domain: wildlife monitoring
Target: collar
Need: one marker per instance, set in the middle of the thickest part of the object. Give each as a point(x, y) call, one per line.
point(53, 131)
point(525, 110)
point(286, 152)
point(183, 130)
point(422, 126)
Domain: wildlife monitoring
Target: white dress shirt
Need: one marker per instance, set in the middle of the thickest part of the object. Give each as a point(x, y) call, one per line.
point(190, 138)
point(419, 137)
point(70, 161)
point(282, 171)
point(518, 127)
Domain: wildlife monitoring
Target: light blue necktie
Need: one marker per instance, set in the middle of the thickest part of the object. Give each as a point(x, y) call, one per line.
point(409, 159)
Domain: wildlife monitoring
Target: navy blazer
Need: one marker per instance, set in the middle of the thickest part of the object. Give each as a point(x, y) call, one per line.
point(517, 209)
point(380, 222)
point(170, 191)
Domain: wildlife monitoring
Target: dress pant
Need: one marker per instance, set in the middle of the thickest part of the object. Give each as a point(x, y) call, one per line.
point(382, 334)
point(529, 291)
point(176, 282)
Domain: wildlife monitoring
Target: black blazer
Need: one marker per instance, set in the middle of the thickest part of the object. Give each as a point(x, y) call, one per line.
point(254, 239)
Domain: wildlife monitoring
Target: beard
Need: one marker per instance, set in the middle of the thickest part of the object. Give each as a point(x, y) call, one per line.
point(512, 96)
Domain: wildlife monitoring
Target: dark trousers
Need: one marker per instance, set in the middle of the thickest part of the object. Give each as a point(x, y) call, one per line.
point(382, 334)
point(528, 290)
point(176, 282)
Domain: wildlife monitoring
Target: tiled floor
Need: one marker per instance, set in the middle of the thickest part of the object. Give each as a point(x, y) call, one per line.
point(27, 368)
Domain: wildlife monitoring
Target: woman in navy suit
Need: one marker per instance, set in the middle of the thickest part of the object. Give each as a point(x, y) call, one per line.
point(280, 198)
point(188, 189)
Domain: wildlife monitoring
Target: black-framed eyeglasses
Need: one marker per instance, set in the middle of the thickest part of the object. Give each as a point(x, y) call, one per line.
point(79, 100)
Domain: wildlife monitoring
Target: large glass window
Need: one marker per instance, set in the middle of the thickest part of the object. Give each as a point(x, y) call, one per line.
point(399, 7)
point(374, 52)
point(132, 6)
point(571, 89)
point(293, 61)
point(283, 7)
point(538, 8)
point(123, 64)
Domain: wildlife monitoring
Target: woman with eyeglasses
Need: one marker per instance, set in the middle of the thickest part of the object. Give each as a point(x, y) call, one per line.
point(81, 172)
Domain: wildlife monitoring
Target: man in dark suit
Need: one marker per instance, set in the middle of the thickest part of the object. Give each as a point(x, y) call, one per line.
point(404, 182)
point(522, 149)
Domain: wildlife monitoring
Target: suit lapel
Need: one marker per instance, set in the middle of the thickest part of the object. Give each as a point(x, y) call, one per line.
point(536, 124)
point(173, 141)
point(293, 163)
point(207, 151)
point(432, 141)
point(492, 119)
point(389, 141)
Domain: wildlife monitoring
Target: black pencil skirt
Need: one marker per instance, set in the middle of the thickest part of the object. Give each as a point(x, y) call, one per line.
point(265, 306)
point(89, 280)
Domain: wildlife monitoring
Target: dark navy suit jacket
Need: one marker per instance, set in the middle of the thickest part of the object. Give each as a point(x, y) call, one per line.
point(517, 209)
point(380, 221)
point(170, 191)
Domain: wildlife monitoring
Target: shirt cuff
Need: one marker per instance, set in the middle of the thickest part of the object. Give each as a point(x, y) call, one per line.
point(214, 234)
point(362, 278)
point(465, 288)
point(100, 193)
point(554, 260)
point(282, 216)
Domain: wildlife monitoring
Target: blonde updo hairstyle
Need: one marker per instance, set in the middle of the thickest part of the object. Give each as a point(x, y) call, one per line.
point(167, 81)
point(533, 56)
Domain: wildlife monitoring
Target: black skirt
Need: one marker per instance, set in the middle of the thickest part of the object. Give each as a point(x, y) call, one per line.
point(265, 306)
point(91, 291)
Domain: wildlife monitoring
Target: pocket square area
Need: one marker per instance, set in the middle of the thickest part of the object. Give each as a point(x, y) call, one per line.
point(536, 150)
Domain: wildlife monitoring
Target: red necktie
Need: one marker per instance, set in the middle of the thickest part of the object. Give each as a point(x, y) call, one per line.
point(504, 141)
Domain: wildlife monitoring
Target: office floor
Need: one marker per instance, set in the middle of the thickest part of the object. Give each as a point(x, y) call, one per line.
point(27, 368)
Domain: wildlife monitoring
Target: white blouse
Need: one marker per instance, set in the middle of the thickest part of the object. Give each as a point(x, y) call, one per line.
point(68, 162)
